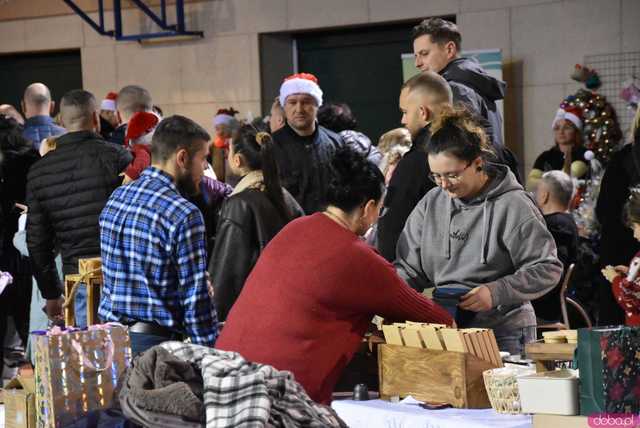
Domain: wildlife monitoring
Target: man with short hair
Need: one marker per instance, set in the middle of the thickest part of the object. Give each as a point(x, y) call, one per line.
point(276, 117)
point(66, 191)
point(303, 148)
point(421, 99)
point(130, 100)
point(554, 194)
point(37, 107)
point(153, 245)
point(436, 47)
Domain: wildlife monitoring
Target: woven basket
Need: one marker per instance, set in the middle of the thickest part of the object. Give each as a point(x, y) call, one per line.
point(502, 389)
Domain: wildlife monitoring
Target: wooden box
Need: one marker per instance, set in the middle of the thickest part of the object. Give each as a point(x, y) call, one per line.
point(433, 376)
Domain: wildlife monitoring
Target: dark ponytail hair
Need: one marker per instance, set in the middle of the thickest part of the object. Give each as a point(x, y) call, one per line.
point(456, 132)
point(257, 150)
point(355, 180)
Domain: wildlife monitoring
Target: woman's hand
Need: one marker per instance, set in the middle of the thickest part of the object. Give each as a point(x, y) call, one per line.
point(477, 300)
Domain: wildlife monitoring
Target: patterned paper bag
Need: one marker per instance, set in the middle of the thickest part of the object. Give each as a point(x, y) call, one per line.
point(77, 371)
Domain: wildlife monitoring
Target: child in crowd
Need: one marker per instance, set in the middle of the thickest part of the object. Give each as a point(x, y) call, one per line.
point(138, 140)
point(625, 281)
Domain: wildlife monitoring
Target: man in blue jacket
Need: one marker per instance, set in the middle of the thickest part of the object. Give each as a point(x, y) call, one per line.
point(37, 107)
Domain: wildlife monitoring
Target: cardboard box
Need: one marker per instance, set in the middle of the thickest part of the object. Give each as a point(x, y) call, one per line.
point(20, 403)
point(556, 421)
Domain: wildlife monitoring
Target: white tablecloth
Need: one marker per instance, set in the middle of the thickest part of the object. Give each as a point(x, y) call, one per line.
point(382, 414)
point(1, 415)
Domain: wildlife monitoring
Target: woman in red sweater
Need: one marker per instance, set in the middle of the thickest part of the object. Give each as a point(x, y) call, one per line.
point(312, 294)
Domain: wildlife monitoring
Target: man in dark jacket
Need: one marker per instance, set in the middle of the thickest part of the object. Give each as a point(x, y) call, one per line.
point(303, 148)
point(436, 46)
point(37, 107)
point(130, 100)
point(66, 191)
point(421, 97)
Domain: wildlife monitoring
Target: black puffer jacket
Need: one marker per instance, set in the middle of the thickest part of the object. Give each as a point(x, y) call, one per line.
point(66, 191)
point(304, 164)
point(248, 220)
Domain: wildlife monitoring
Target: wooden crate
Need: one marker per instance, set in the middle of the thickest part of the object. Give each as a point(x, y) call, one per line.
point(433, 376)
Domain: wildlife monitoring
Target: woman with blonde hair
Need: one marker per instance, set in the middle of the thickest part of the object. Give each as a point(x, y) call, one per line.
point(393, 145)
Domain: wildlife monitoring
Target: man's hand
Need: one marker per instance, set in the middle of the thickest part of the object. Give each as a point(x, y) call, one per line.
point(477, 300)
point(53, 308)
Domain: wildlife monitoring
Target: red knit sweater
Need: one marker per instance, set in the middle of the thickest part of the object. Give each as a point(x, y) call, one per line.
point(310, 298)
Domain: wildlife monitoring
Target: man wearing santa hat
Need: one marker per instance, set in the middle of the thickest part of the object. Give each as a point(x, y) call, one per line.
point(108, 116)
point(304, 149)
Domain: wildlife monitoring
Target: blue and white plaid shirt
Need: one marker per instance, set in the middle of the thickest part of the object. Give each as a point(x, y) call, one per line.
point(154, 259)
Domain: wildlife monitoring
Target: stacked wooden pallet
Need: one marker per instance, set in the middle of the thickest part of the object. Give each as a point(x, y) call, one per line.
point(479, 342)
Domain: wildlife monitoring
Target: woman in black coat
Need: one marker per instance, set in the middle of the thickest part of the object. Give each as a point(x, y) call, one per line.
point(16, 157)
point(617, 243)
point(254, 213)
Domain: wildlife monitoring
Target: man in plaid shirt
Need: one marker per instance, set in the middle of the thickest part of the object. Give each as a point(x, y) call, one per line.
point(153, 245)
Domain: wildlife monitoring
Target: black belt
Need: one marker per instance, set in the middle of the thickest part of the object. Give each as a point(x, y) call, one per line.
point(154, 329)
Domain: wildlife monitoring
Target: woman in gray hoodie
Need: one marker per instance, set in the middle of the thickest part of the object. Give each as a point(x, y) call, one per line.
point(478, 237)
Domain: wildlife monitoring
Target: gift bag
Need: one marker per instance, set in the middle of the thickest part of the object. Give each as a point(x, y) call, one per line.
point(77, 371)
point(609, 363)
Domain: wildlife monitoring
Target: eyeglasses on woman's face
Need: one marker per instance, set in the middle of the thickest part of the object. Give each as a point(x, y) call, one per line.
point(450, 177)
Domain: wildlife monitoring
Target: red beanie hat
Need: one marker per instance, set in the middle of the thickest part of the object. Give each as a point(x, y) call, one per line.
point(140, 124)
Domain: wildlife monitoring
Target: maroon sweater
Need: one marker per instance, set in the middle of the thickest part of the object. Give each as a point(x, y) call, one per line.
point(310, 298)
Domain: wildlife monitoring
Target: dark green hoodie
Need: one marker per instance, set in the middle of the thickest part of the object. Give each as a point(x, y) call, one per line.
point(498, 239)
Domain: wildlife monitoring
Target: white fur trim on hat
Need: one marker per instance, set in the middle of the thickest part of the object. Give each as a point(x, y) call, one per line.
point(222, 119)
point(108, 105)
point(300, 86)
point(566, 115)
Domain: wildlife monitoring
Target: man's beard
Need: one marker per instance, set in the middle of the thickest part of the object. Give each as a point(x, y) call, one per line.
point(185, 185)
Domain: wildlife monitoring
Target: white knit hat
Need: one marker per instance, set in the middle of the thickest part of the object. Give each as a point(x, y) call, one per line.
point(301, 83)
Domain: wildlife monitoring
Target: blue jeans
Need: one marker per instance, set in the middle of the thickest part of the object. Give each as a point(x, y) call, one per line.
point(140, 342)
point(513, 340)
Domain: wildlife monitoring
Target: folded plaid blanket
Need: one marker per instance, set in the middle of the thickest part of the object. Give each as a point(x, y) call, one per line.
point(239, 393)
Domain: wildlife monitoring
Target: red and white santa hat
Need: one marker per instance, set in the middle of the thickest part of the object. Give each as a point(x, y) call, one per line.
point(224, 116)
point(140, 128)
point(571, 113)
point(301, 83)
point(109, 103)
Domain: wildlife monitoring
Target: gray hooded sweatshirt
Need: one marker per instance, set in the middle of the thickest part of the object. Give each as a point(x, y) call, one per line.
point(498, 239)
